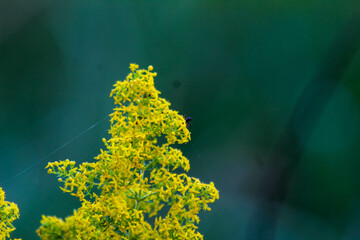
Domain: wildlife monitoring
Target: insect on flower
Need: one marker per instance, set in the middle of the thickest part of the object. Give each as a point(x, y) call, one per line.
point(187, 120)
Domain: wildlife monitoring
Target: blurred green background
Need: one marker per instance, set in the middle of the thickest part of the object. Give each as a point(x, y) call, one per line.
point(236, 67)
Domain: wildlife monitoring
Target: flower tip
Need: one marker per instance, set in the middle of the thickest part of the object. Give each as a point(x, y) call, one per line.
point(133, 67)
point(150, 68)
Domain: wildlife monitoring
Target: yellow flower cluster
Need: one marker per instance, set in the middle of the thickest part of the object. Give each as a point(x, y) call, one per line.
point(8, 213)
point(131, 191)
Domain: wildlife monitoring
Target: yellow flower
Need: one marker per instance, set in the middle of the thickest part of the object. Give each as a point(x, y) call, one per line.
point(8, 213)
point(133, 67)
point(132, 179)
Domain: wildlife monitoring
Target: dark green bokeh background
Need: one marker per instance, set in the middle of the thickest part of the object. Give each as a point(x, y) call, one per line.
point(236, 67)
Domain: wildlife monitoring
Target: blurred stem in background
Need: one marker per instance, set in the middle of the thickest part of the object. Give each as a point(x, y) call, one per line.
point(276, 176)
point(13, 15)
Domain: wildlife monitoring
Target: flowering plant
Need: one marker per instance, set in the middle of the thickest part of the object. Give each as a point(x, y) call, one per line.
point(8, 213)
point(131, 191)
